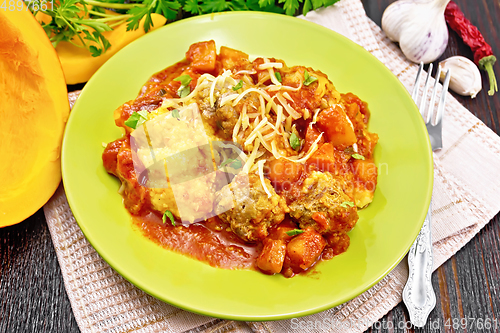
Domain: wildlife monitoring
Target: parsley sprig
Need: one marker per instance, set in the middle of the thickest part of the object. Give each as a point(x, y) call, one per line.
point(86, 20)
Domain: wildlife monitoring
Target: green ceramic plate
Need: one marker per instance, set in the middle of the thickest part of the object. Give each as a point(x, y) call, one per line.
point(382, 237)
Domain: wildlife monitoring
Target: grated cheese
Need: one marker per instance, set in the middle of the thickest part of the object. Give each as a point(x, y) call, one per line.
point(261, 175)
point(288, 108)
point(267, 65)
point(253, 134)
point(251, 158)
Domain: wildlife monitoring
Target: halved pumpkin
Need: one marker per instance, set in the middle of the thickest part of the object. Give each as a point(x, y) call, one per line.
point(33, 112)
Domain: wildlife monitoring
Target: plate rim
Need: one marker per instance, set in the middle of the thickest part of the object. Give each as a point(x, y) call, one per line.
point(103, 255)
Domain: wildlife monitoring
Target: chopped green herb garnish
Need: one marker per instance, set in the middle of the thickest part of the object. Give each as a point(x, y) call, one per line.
point(308, 79)
point(170, 216)
point(238, 86)
point(184, 89)
point(346, 204)
point(358, 156)
point(136, 119)
point(184, 79)
point(278, 76)
point(175, 114)
point(233, 163)
point(294, 232)
point(294, 141)
point(162, 92)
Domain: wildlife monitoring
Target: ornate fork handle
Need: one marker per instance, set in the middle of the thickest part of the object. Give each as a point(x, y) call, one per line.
point(418, 294)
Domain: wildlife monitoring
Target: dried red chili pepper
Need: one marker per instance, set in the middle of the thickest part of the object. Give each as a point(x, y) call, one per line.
point(483, 54)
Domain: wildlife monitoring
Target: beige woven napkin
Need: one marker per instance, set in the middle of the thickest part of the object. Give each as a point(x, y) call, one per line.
point(466, 196)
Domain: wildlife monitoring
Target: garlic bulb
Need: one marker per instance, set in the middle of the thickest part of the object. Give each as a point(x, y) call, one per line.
point(465, 76)
point(419, 26)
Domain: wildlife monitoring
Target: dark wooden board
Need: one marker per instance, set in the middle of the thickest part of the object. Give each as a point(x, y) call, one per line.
point(33, 298)
point(468, 285)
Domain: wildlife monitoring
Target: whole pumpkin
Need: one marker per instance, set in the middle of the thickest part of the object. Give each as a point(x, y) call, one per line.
point(33, 112)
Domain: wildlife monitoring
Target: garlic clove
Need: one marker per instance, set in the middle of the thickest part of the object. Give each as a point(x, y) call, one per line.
point(419, 26)
point(465, 76)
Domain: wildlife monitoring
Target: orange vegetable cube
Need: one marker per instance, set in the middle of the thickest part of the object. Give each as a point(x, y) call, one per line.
point(337, 127)
point(305, 249)
point(202, 56)
point(272, 256)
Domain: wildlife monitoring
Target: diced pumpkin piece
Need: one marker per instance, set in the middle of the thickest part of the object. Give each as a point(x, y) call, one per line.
point(202, 56)
point(366, 172)
point(338, 242)
point(272, 256)
point(231, 58)
point(305, 249)
point(312, 134)
point(337, 127)
point(323, 158)
point(279, 232)
point(34, 109)
point(284, 173)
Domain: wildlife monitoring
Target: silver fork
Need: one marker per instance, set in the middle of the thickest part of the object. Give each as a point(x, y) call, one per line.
point(418, 294)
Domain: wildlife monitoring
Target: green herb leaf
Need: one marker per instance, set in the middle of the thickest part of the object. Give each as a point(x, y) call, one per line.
point(294, 141)
point(233, 163)
point(170, 216)
point(136, 119)
point(290, 6)
point(175, 114)
point(238, 86)
point(184, 89)
point(358, 156)
point(294, 232)
point(308, 79)
point(184, 79)
point(346, 204)
point(278, 76)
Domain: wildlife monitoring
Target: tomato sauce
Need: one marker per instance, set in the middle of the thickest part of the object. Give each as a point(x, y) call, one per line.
point(210, 241)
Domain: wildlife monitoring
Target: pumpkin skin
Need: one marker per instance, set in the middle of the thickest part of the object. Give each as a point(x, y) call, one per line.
point(33, 112)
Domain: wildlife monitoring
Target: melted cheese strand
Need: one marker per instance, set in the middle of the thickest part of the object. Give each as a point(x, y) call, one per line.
point(262, 106)
point(251, 158)
point(264, 143)
point(253, 134)
point(288, 108)
point(259, 91)
point(268, 65)
point(224, 100)
point(236, 128)
point(288, 97)
point(245, 71)
point(279, 117)
point(261, 175)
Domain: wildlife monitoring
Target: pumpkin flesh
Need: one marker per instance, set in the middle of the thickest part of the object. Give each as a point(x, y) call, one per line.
point(33, 110)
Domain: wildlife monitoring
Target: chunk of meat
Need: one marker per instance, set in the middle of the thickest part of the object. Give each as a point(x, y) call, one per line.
point(226, 116)
point(246, 207)
point(323, 205)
